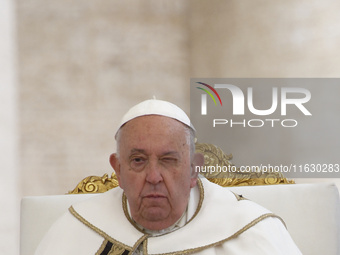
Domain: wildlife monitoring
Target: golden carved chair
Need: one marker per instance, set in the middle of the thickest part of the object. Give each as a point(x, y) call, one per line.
point(311, 211)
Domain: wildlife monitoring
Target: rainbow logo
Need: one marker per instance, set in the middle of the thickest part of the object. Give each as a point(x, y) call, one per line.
point(209, 93)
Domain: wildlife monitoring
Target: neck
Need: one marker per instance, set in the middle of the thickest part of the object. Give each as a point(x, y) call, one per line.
point(178, 224)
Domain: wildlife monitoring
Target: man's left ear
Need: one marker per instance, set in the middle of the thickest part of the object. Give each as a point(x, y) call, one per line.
point(196, 164)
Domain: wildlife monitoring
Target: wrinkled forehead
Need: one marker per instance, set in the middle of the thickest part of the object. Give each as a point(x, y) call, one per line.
point(157, 135)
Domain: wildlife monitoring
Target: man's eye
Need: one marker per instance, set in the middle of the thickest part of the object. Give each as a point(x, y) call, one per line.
point(137, 163)
point(169, 160)
point(138, 160)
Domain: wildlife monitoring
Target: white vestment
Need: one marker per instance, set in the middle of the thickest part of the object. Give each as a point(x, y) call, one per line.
point(219, 222)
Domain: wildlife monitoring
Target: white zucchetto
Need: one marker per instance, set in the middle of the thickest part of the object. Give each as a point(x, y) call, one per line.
point(156, 107)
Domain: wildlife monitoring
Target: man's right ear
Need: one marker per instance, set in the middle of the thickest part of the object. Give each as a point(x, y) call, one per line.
point(114, 162)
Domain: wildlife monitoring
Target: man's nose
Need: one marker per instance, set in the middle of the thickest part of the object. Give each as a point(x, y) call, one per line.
point(153, 172)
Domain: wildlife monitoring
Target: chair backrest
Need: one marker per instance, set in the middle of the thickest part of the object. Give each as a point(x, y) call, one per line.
point(311, 213)
point(38, 213)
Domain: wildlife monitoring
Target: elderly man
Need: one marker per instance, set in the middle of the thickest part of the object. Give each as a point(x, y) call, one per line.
point(162, 206)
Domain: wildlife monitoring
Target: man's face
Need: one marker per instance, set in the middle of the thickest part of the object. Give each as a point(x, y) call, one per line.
point(154, 170)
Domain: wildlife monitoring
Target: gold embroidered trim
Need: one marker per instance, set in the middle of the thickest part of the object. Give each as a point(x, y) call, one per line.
point(102, 247)
point(200, 188)
point(124, 204)
point(140, 240)
point(99, 231)
point(200, 202)
point(145, 247)
point(115, 250)
point(246, 227)
point(239, 197)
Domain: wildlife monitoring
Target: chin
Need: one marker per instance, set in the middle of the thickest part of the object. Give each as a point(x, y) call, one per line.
point(156, 214)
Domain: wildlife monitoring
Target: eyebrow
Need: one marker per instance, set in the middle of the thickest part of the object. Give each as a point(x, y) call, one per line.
point(171, 153)
point(137, 150)
point(167, 153)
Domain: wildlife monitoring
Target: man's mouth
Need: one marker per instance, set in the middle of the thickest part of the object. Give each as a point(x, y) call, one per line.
point(154, 196)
